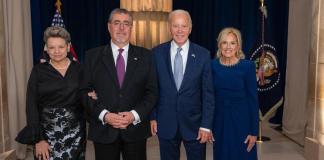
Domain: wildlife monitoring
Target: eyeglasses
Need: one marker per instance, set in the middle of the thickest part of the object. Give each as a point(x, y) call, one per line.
point(119, 23)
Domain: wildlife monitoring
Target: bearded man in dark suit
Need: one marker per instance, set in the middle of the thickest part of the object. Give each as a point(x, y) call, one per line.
point(124, 79)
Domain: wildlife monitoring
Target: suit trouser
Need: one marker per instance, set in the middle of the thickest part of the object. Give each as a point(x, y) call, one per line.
point(130, 150)
point(170, 149)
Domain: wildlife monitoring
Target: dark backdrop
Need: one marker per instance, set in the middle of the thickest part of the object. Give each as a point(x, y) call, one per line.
point(86, 21)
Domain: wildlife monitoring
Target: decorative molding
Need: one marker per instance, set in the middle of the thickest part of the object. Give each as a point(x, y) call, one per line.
point(150, 21)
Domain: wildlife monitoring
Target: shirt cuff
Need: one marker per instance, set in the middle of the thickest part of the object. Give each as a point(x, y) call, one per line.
point(136, 116)
point(102, 116)
point(205, 129)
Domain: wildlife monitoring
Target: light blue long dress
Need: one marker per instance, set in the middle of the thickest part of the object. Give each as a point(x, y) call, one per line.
point(236, 111)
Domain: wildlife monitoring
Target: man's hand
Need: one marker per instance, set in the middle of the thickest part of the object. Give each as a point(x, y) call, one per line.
point(128, 118)
point(93, 95)
point(211, 138)
point(205, 136)
point(115, 120)
point(250, 140)
point(153, 127)
point(42, 150)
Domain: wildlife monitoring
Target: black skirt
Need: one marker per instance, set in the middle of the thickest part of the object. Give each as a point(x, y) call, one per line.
point(65, 132)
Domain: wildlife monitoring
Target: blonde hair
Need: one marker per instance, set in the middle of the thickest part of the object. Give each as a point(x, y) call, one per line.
point(226, 31)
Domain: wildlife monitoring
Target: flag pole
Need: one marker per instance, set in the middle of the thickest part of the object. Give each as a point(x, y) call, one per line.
point(58, 5)
point(263, 10)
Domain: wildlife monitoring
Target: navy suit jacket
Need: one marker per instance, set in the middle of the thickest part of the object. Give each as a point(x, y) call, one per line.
point(192, 106)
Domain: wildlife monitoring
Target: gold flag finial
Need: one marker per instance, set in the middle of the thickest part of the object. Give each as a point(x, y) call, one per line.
point(263, 9)
point(58, 5)
point(262, 3)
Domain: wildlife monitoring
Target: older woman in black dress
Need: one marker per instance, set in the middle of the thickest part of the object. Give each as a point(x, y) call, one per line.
point(55, 121)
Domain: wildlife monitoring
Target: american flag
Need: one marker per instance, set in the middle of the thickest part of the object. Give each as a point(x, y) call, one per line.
point(58, 21)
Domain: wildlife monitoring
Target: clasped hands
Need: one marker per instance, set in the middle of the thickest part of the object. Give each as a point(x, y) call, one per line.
point(119, 120)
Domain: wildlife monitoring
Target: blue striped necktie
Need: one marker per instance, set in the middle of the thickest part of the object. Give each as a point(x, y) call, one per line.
point(178, 68)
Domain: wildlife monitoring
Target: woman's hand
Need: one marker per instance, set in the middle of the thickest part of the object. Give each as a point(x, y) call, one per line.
point(93, 95)
point(250, 140)
point(153, 127)
point(42, 149)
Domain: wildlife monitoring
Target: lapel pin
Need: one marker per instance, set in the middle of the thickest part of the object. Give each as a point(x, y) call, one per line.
point(135, 58)
point(193, 55)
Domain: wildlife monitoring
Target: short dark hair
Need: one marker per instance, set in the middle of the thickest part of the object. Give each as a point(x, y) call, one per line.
point(56, 31)
point(120, 11)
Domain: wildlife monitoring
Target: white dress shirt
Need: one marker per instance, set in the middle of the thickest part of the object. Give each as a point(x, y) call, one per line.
point(184, 53)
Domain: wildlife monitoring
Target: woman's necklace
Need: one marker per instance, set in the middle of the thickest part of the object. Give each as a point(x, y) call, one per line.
point(230, 63)
point(60, 68)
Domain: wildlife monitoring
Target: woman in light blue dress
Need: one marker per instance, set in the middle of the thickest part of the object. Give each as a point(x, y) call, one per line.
point(236, 112)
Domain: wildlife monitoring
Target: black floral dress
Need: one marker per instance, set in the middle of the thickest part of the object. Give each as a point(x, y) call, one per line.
point(54, 112)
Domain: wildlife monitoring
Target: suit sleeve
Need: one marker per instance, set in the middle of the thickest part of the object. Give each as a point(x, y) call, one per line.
point(153, 114)
point(145, 107)
point(92, 107)
point(208, 101)
point(252, 94)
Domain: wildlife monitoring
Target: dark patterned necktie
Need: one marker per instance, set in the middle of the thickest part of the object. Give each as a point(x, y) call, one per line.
point(120, 67)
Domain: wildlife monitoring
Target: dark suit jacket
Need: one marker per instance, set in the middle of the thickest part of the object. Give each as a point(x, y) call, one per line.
point(192, 106)
point(139, 92)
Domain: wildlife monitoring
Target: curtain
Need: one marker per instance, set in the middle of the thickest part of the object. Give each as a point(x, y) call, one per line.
point(209, 17)
point(18, 57)
point(4, 133)
point(86, 20)
point(294, 118)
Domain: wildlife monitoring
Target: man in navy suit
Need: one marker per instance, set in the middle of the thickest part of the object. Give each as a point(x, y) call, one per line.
point(184, 112)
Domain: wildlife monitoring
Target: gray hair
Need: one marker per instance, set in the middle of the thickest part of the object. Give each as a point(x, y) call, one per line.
point(180, 11)
point(120, 11)
point(230, 30)
point(56, 31)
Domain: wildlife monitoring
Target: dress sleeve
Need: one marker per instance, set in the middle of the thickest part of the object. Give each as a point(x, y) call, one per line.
point(252, 94)
point(32, 133)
